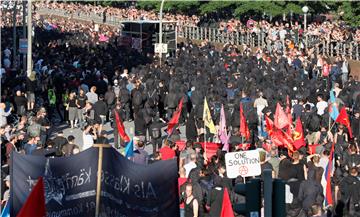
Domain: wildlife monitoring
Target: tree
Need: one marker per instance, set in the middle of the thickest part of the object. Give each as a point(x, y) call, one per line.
point(351, 13)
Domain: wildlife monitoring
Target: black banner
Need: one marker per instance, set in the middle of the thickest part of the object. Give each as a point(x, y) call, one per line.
point(128, 189)
point(70, 182)
point(132, 190)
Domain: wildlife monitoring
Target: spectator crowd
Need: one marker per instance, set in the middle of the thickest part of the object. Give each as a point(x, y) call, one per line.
point(84, 81)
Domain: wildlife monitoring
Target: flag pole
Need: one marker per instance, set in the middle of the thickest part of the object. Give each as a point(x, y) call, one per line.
point(98, 184)
point(205, 138)
point(329, 122)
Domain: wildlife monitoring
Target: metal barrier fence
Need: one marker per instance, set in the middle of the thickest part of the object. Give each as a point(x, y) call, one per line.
point(322, 47)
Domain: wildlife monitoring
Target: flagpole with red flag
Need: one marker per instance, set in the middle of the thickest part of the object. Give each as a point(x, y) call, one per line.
point(175, 118)
point(281, 120)
point(121, 129)
point(244, 128)
point(328, 174)
point(343, 119)
point(226, 208)
point(299, 140)
point(35, 203)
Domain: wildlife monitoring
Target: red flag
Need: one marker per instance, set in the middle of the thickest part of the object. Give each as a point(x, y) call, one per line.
point(244, 129)
point(175, 118)
point(226, 208)
point(298, 135)
point(343, 119)
point(280, 119)
point(121, 128)
point(278, 137)
point(35, 204)
point(269, 125)
point(328, 175)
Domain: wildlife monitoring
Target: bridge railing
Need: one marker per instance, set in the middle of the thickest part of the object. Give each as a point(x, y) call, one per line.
point(255, 39)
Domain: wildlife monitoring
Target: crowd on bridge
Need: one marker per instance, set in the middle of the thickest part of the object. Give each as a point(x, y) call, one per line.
point(85, 83)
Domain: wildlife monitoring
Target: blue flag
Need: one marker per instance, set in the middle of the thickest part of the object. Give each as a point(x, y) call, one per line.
point(333, 110)
point(6, 211)
point(129, 149)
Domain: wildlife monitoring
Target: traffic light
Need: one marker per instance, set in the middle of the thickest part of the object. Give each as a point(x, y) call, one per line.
point(252, 192)
point(278, 198)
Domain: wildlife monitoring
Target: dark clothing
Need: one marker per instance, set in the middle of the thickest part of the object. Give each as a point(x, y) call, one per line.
point(68, 148)
point(284, 167)
point(298, 110)
point(318, 171)
point(30, 85)
point(140, 124)
point(265, 166)
point(20, 102)
point(100, 109)
point(110, 98)
point(72, 102)
point(29, 148)
point(141, 157)
point(350, 188)
point(46, 152)
point(59, 142)
point(215, 200)
point(189, 209)
point(310, 192)
point(81, 100)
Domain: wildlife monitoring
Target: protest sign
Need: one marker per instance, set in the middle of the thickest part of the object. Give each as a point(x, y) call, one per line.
point(244, 163)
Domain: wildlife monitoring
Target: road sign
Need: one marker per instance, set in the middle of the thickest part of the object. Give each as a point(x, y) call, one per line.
point(23, 45)
point(161, 48)
point(244, 163)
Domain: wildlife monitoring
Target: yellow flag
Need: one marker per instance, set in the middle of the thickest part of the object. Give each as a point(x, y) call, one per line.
point(208, 122)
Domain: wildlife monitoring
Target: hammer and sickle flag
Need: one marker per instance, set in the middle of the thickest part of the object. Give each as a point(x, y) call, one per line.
point(343, 119)
point(298, 135)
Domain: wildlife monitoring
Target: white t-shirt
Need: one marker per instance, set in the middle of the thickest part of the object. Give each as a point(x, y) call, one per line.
point(282, 34)
point(88, 141)
point(321, 106)
point(188, 167)
point(260, 104)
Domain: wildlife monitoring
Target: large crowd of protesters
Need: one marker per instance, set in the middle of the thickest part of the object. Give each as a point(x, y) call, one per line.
point(82, 81)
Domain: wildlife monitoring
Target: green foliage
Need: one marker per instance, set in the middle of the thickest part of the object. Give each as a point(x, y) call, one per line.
point(240, 8)
point(351, 13)
point(216, 6)
point(149, 5)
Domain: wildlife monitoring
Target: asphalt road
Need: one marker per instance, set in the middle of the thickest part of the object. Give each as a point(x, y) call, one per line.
point(129, 128)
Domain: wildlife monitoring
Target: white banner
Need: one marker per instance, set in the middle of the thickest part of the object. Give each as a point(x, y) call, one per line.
point(244, 163)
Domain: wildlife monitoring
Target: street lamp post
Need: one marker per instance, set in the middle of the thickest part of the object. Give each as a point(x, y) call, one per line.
point(305, 9)
point(160, 29)
point(14, 34)
point(29, 41)
point(24, 33)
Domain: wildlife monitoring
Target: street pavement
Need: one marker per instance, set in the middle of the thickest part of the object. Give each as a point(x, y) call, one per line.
point(129, 128)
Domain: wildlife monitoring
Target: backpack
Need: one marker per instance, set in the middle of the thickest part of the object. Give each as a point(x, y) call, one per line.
point(172, 100)
point(137, 99)
point(124, 96)
point(313, 123)
point(156, 133)
point(152, 95)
